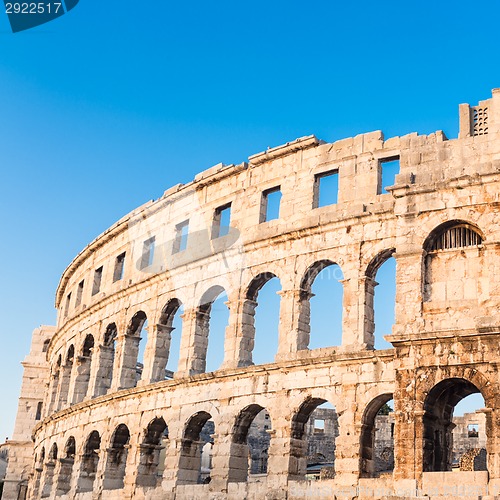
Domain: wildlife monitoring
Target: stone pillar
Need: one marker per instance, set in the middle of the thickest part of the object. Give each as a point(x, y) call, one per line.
point(64, 381)
point(366, 295)
point(83, 366)
point(240, 334)
point(102, 373)
point(156, 354)
point(351, 334)
point(189, 360)
point(171, 472)
point(290, 306)
point(126, 371)
point(347, 447)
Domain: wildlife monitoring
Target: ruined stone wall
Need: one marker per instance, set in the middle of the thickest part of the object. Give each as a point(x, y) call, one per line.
point(102, 420)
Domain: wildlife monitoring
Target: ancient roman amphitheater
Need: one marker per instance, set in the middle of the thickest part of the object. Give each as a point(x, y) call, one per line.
point(94, 423)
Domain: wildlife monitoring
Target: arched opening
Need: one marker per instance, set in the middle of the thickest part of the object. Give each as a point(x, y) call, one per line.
point(66, 377)
point(315, 429)
point(453, 251)
point(250, 443)
point(83, 370)
point(116, 462)
point(66, 468)
point(321, 306)
point(170, 329)
point(39, 464)
point(107, 353)
point(195, 461)
point(440, 452)
point(49, 471)
point(377, 437)
point(54, 384)
point(212, 319)
point(133, 350)
point(89, 462)
point(261, 314)
point(149, 473)
point(380, 299)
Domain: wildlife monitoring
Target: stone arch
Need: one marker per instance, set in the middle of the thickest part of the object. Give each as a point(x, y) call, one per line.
point(298, 443)
point(114, 474)
point(369, 293)
point(191, 449)
point(54, 384)
point(451, 250)
point(202, 327)
point(305, 296)
point(83, 369)
point(107, 360)
point(248, 450)
point(148, 472)
point(250, 305)
point(49, 471)
point(67, 462)
point(65, 379)
point(438, 407)
point(367, 434)
point(89, 462)
point(164, 330)
point(131, 369)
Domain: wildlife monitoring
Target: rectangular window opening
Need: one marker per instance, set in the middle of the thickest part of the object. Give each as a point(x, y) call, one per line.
point(79, 293)
point(148, 252)
point(473, 430)
point(96, 285)
point(119, 266)
point(388, 169)
point(222, 220)
point(319, 425)
point(270, 205)
point(66, 307)
point(326, 189)
point(181, 237)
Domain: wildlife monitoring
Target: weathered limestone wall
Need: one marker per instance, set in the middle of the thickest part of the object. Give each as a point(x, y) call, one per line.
point(446, 335)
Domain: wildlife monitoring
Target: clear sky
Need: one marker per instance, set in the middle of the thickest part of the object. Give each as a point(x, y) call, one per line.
point(114, 102)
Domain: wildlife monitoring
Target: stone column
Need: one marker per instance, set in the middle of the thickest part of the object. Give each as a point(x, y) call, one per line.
point(366, 323)
point(126, 372)
point(156, 354)
point(189, 357)
point(347, 447)
point(290, 308)
point(102, 373)
point(171, 472)
point(240, 333)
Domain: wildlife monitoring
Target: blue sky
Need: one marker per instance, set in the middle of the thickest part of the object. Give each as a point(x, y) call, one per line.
point(109, 105)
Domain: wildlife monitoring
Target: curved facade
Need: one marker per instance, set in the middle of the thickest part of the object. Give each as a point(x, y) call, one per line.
point(117, 424)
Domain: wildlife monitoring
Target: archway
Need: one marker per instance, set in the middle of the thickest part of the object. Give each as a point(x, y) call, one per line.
point(83, 369)
point(89, 462)
point(438, 422)
point(170, 329)
point(261, 311)
point(377, 437)
point(314, 431)
point(66, 468)
point(212, 319)
point(117, 453)
point(148, 470)
point(321, 306)
point(193, 467)
point(250, 443)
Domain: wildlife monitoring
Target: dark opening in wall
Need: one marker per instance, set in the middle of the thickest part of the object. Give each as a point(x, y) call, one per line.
point(39, 406)
point(181, 237)
point(222, 220)
point(326, 189)
point(66, 307)
point(148, 251)
point(119, 266)
point(388, 169)
point(96, 285)
point(79, 293)
point(270, 204)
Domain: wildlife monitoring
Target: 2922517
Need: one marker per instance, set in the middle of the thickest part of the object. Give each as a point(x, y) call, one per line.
point(33, 7)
